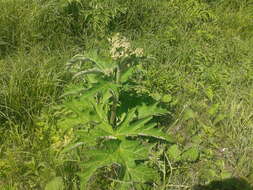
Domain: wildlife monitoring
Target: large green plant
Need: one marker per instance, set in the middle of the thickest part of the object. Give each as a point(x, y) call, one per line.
point(106, 135)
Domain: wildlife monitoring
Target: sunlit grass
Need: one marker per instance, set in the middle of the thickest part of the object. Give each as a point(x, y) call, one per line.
point(203, 61)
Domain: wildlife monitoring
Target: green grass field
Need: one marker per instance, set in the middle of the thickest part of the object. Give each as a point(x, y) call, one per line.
point(202, 66)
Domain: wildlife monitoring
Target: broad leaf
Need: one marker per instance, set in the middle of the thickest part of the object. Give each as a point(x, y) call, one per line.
point(126, 75)
point(150, 110)
point(55, 184)
point(174, 153)
point(131, 126)
point(191, 155)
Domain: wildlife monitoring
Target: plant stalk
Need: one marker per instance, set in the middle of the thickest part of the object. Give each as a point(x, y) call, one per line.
point(115, 100)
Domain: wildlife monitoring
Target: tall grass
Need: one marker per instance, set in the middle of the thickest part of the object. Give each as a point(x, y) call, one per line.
point(29, 82)
point(25, 23)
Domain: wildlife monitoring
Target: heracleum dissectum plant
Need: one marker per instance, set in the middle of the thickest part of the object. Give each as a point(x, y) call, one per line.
point(107, 136)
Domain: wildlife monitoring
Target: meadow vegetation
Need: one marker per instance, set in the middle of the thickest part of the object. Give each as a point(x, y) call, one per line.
point(147, 94)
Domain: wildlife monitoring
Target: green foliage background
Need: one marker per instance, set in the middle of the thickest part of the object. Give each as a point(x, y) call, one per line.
point(203, 68)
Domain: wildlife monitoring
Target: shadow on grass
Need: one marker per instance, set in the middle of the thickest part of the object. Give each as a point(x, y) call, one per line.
point(226, 184)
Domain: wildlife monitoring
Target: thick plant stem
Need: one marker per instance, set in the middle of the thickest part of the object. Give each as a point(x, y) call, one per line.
point(113, 112)
point(115, 100)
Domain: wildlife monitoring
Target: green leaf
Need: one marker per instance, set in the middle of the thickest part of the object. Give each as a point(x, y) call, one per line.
point(126, 75)
point(105, 64)
point(219, 118)
point(150, 110)
point(209, 93)
point(140, 174)
point(98, 159)
point(98, 87)
point(75, 90)
point(80, 113)
point(127, 127)
point(72, 146)
point(125, 153)
point(88, 71)
point(167, 98)
point(55, 184)
point(129, 152)
point(174, 153)
point(191, 155)
point(225, 174)
point(189, 114)
point(141, 127)
point(213, 109)
point(197, 139)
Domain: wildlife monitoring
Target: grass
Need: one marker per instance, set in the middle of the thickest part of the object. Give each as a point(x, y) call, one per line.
point(203, 52)
point(35, 78)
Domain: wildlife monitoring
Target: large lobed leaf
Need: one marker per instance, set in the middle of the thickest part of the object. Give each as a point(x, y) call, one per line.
point(125, 153)
point(143, 124)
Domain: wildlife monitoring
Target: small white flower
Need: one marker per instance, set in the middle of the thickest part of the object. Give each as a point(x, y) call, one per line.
point(224, 149)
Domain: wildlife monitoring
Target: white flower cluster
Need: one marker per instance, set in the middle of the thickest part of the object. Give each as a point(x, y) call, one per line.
point(121, 47)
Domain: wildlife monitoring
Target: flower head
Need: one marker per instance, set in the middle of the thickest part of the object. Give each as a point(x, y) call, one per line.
point(121, 47)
